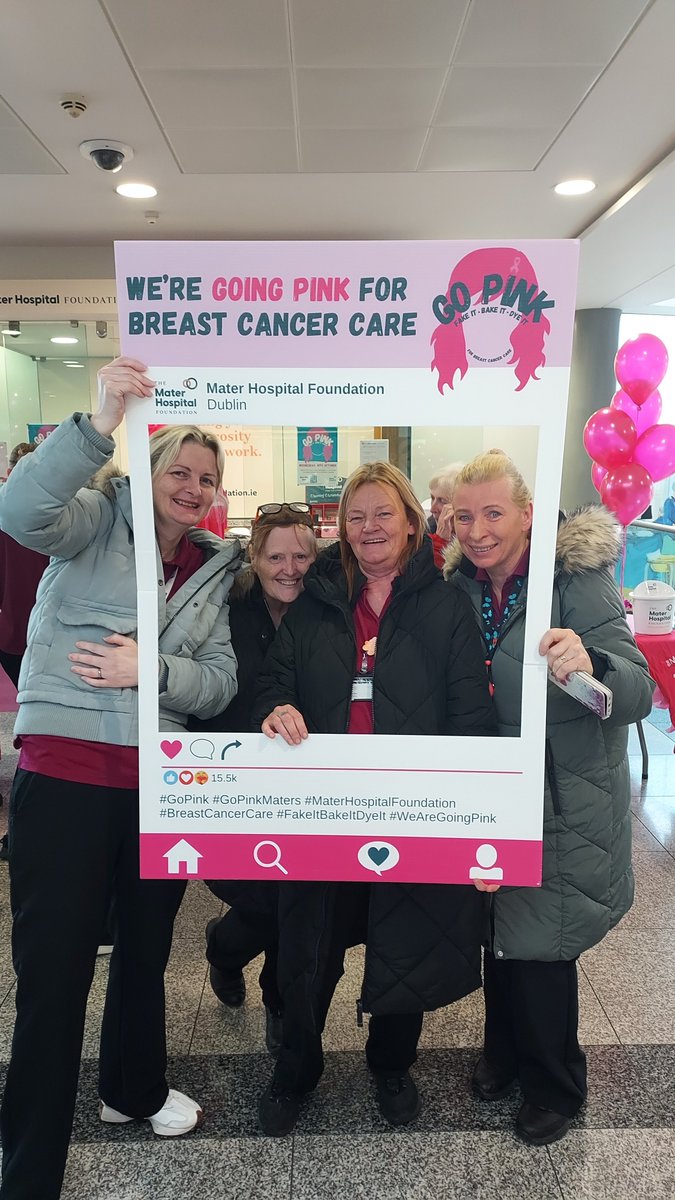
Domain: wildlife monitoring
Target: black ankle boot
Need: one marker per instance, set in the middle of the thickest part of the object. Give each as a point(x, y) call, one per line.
point(539, 1126)
point(489, 1083)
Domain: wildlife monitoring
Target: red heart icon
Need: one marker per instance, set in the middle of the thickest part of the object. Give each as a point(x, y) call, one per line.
point(171, 749)
point(186, 776)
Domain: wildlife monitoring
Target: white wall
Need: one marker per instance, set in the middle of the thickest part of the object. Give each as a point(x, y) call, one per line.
point(433, 449)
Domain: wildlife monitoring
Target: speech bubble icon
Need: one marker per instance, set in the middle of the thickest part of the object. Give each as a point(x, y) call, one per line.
point(378, 856)
point(202, 748)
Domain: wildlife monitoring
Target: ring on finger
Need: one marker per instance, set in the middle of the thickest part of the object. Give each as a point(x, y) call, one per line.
point(100, 673)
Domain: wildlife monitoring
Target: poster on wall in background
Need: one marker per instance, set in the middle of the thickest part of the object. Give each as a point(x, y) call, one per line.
point(249, 465)
point(37, 432)
point(325, 335)
point(373, 450)
point(318, 456)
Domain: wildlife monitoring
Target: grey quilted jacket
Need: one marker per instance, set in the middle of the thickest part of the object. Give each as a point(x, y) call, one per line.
point(89, 590)
point(587, 878)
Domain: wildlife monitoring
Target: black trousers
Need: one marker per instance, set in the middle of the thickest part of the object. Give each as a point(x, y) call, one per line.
point(531, 1022)
point(391, 1047)
point(239, 937)
point(72, 846)
point(11, 665)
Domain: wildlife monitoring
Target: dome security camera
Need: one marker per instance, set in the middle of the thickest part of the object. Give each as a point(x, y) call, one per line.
point(106, 155)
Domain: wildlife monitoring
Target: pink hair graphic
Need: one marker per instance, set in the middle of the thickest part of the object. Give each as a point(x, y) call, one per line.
point(490, 273)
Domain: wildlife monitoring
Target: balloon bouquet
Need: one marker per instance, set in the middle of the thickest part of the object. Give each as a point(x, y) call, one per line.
point(630, 450)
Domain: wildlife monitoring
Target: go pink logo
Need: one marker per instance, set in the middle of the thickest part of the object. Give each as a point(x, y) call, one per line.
point(490, 283)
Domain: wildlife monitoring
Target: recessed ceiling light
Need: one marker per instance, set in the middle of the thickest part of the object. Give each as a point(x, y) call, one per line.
point(574, 187)
point(64, 341)
point(136, 191)
point(11, 332)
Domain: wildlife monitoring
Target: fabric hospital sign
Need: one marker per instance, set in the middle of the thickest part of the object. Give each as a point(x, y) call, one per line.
point(322, 335)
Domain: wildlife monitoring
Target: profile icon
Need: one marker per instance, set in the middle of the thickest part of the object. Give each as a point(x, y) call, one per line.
point(486, 857)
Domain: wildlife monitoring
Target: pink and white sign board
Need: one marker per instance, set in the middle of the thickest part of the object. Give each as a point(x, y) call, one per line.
point(334, 334)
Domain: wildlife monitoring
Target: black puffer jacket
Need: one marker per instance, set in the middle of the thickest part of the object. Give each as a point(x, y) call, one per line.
point(430, 671)
point(422, 944)
point(252, 631)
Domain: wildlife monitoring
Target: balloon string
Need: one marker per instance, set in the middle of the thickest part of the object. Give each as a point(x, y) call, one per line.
point(624, 548)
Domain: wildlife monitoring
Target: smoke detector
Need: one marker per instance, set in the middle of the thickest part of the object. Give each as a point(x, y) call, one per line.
point(73, 105)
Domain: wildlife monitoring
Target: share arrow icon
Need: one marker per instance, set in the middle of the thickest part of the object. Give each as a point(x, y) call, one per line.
point(228, 747)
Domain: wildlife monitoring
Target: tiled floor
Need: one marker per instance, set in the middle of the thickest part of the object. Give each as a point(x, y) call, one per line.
point(622, 1146)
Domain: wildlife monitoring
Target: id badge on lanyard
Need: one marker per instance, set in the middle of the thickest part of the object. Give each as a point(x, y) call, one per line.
point(362, 684)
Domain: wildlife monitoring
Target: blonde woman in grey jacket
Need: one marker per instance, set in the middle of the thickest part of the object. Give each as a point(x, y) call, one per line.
point(535, 935)
point(74, 807)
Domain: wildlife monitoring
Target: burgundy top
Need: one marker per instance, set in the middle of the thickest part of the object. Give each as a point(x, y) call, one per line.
point(20, 573)
point(520, 570)
point(366, 626)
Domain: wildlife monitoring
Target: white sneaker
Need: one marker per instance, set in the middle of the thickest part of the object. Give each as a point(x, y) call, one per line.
point(179, 1115)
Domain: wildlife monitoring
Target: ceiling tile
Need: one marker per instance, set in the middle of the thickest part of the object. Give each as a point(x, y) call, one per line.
point(20, 151)
point(382, 98)
point(512, 97)
point(357, 33)
point(484, 149)
point(360, 150)
point(546, 31)
point(236, 99)
point(170, 34)
point(235, 151)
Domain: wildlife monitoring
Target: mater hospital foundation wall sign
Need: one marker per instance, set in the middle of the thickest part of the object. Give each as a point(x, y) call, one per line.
point(322, 335)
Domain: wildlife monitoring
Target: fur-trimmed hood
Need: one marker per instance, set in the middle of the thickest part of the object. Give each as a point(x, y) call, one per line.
point(589, 539)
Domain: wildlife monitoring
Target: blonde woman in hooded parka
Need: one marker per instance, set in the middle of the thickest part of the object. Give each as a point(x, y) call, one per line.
point(535, 935)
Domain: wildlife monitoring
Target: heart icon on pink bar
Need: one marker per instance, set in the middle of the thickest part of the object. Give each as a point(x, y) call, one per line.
point(171, 749)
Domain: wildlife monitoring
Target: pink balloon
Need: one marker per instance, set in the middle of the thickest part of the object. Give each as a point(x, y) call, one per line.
point(640, 365)
point(655, 451)
point(627, 491)
point(643, 417)
point(610, 437)
point(597, 475)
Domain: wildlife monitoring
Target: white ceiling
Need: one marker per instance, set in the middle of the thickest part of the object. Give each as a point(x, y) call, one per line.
point(346, 119)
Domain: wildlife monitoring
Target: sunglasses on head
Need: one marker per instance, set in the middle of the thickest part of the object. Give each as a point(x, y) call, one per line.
point(297, 508)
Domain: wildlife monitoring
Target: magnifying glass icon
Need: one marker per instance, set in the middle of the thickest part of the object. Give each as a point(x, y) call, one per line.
point(276, 860)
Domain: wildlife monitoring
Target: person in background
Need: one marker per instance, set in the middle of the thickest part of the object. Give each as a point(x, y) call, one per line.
point(440, 489)
point(667, 516)
point(20, 572)
point(535, 935)
point(377, 643)
point(281, 551)
point(74, 807)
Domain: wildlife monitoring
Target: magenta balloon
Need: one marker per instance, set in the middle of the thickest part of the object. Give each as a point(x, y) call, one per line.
point(597, 475)
point(643, 417)
point(655, 451)
point(610, 437)
point(627, 491)
point(640, 365)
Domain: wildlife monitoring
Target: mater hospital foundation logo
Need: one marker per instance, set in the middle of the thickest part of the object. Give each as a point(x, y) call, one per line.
point(492, 314)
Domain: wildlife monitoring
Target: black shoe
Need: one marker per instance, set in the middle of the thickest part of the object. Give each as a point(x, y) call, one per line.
point(540, 1126)
point(229, 989)
point(278, 1111)
point(273, 1030)
point(4, 848)
point(488, 1083)
point(397, 1098)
